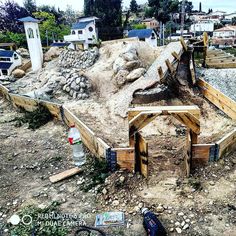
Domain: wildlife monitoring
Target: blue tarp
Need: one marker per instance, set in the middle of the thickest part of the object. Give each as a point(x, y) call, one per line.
point(140, 33)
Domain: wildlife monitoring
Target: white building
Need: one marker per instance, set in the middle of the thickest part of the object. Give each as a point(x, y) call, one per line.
point(225, 32)
point(230, 16)
point(33, 41)
point(202, 26)
point(83, 33)
point(9, 60)
point(147, 35)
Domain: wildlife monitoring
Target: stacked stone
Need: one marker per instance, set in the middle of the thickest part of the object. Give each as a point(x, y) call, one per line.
point(78, 59)
point(127, 67)
point(76, 85)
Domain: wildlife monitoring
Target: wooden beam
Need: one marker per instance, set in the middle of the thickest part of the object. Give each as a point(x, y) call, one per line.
point(184, 45)
point(160, 73)
point(141, 120)
point(189, 120)
point(201, 154)
point(141, 148)
point(192, 70)
point(134, 111)
point(125, 158)
point(65, 174)
point(170, 67)
point(221, 65)
point(224, 103)
point(175, 55)
point(227, 144)
point(88, 136)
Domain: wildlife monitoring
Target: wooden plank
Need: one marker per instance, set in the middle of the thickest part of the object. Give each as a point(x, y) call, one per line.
point(194, 110)
point(143, 155)
point(189, 120)
point(64, 175)
point(88, 136)
point(223, 60)
point(184, 45)
point(221, 65)
point(30, 104)
point(224, 103)
point(227, 144)
point(170, 67)
point(176, 56)
point(141, 120)
point(219, 57)
point(125, 158)
point(192, 71)
point(201, 154)
point(160, 73)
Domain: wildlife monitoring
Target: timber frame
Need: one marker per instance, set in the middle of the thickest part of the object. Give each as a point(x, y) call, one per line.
point(139, 117)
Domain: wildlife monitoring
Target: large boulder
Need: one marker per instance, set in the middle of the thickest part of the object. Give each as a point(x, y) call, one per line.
point(53, 52)
point(18, 73)
point(119, 64)
point(132, 65)
point(130, 56)
point(135, 74)
point(120, 77)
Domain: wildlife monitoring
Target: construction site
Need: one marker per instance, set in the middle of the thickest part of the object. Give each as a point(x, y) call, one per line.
point(162, 123)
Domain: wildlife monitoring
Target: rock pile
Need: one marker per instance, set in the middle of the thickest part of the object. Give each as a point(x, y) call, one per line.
point(127, 67)
point(78, 59)
point(76, 84)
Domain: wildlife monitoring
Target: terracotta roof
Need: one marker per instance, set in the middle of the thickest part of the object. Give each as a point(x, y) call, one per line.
point(227, 28)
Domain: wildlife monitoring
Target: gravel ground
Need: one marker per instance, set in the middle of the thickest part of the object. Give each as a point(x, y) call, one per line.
point(222, 79)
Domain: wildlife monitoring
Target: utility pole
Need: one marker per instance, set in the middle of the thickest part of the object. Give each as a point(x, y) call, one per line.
point(182, 17)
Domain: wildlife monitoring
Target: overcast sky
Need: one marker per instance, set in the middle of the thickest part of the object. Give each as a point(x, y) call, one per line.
point(225, 5)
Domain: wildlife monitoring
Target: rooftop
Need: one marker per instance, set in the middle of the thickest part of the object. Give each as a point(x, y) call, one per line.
point(227, 28)
point(29, 19)
point(6, 53)
point(81, 25)
point(140, 33)
point(5, 65)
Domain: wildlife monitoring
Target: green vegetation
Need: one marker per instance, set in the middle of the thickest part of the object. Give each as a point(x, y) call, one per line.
point(96, 174)
point(49, 27)
point(36, 118)
point(39, 227)
point(230, 50)
point(139, 26)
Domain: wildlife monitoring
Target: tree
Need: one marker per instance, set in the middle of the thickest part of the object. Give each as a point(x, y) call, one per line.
point(49, 29)
point(200, 7)
point(109, 11)
point(70, 15)
point(133, 6)
point(30, 6)
point(10, 12)
point(234, 21)
point(88, 7)
point(162, 9)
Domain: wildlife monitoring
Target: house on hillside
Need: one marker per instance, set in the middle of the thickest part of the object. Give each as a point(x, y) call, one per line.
point(151, 23)
point(147, 35)
point(202, 26)
point(8, 46)
point(9, 60)
point(83, 33)
point(59, 43)
point(225, 32)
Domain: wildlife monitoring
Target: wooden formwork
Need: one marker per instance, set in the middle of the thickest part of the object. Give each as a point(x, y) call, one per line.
point(219, 59)
point(223, 102)
point(139, 117)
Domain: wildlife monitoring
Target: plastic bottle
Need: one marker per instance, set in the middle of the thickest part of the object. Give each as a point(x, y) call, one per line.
point(75, 140)
point(152, 225)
